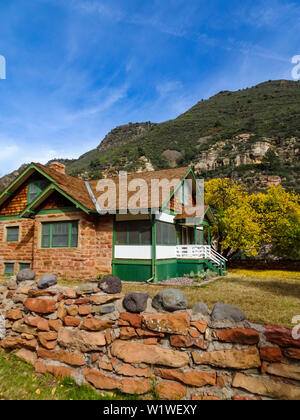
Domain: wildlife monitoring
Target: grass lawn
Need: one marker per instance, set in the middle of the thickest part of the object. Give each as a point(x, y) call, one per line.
point(265, 296)
point(18, 381)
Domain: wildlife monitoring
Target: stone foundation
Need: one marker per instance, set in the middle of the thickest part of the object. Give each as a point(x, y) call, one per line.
point(88, 335)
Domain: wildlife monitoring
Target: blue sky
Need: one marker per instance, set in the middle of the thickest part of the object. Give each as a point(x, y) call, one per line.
point(78, 68)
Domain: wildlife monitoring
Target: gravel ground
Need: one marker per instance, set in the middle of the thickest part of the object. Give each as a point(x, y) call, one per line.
point(180, 281)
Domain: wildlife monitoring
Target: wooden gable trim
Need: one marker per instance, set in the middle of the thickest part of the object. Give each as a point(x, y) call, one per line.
point(45, 194)
point(22, 178)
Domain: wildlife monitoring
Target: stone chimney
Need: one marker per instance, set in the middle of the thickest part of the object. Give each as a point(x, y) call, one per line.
point(59, 167)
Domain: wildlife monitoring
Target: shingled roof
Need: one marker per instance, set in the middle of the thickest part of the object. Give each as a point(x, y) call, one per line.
point(77, 188)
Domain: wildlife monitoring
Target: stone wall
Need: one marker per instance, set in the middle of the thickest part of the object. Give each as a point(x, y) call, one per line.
point(138, 346)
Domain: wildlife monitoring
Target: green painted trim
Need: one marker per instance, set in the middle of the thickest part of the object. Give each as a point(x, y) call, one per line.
point(7, 230)
point(38, 184)
point(175, 190)
point(50, 224)
point(16, 217)
point(128, 243)
point(22, 174)
point(166, 261)
point(153, 255)
point(22, 266)
point(43, 195)
point(32, 166)
point(132, 262)
point(208, 236)
point(58, 210)
point(6, 266)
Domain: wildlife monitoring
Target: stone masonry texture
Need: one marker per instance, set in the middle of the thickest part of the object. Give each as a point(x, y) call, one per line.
point(181, 355)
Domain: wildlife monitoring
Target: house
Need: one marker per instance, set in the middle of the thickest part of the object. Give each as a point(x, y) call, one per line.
point(53, 223)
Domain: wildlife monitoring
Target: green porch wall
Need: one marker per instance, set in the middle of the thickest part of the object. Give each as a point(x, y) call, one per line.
point(141, 271)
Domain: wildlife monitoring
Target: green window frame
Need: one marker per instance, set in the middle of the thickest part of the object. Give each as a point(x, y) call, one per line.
point(35, 188)
point(9, 269)
point(135, 232)
point(23, 266)
point(166, 234)
point(12, 233)
point(60, 234)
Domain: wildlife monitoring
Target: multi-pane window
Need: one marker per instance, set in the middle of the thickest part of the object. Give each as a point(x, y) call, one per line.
point(166, 234)
point(136, 232)
point(12, 234)
point(35, 188)
point(9, 269)
point(23, 266)
point(60, 235)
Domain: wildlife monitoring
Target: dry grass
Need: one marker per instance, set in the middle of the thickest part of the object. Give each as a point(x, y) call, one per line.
point(265, 296)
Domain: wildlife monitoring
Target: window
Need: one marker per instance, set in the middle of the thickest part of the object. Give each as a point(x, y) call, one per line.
point(9, 269)
point(60, 235)
point(137, 232)
point(166, 234)
point(12, 234)
point(35, 188)
point(23, 266)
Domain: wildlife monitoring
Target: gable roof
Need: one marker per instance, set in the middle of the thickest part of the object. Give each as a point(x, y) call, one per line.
point(77, 190)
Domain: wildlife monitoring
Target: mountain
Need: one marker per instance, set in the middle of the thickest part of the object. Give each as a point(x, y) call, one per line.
point(252, 135)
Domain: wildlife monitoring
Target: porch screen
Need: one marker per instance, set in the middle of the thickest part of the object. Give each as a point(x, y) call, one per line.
point(137, 232)
point(60, 235)
point(165, 234)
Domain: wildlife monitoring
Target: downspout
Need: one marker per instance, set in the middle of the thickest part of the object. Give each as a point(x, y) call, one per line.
point(153, 253)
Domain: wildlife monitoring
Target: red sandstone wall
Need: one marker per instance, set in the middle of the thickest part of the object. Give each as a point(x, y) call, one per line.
point(179, 355)
point(92, 257)
point(16, 252)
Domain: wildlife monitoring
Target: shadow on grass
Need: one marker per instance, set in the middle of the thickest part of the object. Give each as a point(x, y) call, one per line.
point(275, 287)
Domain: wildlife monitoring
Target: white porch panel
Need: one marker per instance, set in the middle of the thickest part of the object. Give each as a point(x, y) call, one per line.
point(134, 252)
point(164, 252)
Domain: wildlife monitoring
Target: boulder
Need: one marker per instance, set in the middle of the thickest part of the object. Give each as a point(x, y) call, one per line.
point(201, 308)
point(222, 312)
point(46, 281)
point(135, 302)
point(26, 274)
point(170, 300)
point(110, 285)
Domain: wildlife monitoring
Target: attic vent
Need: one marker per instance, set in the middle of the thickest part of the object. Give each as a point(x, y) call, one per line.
point(59, 167)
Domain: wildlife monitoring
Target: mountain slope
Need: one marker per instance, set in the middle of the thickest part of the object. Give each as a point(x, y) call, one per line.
point(252, 135)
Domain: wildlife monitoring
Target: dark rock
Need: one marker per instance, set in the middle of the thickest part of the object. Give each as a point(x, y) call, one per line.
point(201, 308)
point(107, 309)
point(222, 312)
point(46, 281)
point(135, 302)
point(110, 285)
point(170, 300)
point(26, 274)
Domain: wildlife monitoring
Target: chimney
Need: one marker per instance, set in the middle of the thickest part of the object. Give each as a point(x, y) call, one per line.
point(59, 167)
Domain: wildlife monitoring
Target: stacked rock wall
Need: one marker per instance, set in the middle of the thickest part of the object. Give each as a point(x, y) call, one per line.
point(89, 335)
